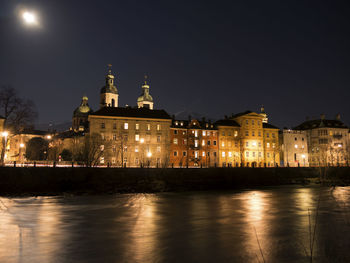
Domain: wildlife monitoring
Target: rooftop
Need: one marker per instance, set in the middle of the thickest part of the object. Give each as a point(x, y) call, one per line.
point(321, 123)
point(132, 112)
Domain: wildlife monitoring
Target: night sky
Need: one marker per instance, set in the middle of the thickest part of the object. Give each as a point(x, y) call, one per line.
point(214, 58)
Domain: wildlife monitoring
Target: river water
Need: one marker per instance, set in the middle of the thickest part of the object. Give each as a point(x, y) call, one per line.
point(269, 225)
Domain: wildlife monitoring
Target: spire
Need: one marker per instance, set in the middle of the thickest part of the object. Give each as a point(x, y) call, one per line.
point(145, 79)
point(262, 109)
point(263, 114)
point(109, 69)
point(145, 100)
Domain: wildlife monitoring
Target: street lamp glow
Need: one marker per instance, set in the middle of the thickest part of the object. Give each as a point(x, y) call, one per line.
point(21, 145)
point(303, 156)
point(5, 133)
point(149, 154)
point(49, 137)
point(142, 140)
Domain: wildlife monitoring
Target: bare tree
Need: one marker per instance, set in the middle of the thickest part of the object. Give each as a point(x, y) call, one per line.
point(91, 149)
point(18, 113)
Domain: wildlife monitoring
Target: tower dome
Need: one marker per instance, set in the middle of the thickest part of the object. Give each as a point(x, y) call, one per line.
point(81, 114)
point(145, 100)
point(109, 93)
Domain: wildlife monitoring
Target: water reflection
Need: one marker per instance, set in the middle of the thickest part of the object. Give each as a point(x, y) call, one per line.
point(177, 227)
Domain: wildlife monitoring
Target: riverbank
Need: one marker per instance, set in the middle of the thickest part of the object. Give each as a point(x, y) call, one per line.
point(55, 181)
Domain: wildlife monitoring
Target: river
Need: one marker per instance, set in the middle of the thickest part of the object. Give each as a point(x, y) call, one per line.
point(265, 225)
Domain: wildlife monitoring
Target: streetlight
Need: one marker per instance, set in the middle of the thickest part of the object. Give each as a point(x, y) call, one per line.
point(5, 134)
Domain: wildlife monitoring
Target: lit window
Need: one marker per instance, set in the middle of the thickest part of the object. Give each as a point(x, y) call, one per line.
point(223, 144)
point(203, 154)
point(208, 133)
point(102, 147)
point(126, 126)
point(236, 133)
point(125, 148)
point(247, 144)
point(148, 127)
point(102, 136)
point(247, 154)
point(203, 133)
point(229, 154)
point(175, 140)
point(203, 142)
point(296, 146)
point(302, 146)
point(114, 137)
point(184, 141)
point(137, 137)
point(113, 160)
point(137, 126)
point(273, 145)
point(136, 149)
point(102, 159)
point(195, 143)
point(184, 133)
point(196, 133)
point(158, 127)
point(196, 154)
point(223, 154)
point(158, 149)
point(268, 145)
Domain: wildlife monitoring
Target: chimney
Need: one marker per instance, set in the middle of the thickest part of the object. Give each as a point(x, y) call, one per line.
point(323, 116)
point(337, 117)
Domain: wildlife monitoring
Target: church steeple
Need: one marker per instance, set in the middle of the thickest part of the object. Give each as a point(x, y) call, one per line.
point(145, 100)
point(109, 93)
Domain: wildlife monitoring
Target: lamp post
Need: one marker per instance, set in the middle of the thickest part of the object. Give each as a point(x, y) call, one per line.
point(149, 155)
point(21, 146)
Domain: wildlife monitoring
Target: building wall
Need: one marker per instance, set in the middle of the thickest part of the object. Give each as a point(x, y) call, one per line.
point(271, 147)
point(251, 139)
point(229, 146)
point(327, 146)
point(132, 141)
point(294, 148)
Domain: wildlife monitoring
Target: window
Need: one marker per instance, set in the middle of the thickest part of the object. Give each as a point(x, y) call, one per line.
point(184, 141)
point(114, 137)
point(247, 144)
point(208, 133)
point(236, 144)
point(203, 142)
point(223, 134)
point(302, 139)
point(259, 133)
point(175, 153)
point(259, 144)
point(273, 145)
point(214, 142)
point(158, 149)
point(295, 139)
point(114, 126)
point(158, 127)
point(158, 138)
point(102, 136)
point(268, 155)
point(148, 137)
point(208, 142)
point(196, 154)
point(223, 144)
point(184, 133)
point(113, 160)
point(229, 154)
point(103, 125)
point(175, 140)
point(175, 131)
point(184, 153)
point(203, 133)
point(136, 149)
point(223, 154)
point(102, 159)
point(126, 126)
point(268, 145)
point(236, 133)
point(259, 154)
point(296, 146)
point(246, 122)
point(102, 147)
point(229, 134)
point(148, 127)
point(253, 133)
point(252, 122)
point(196, 133)
point(137, 137)
point(137, 126)
point(229, 144)
point(203, 154)
point(246, 133)
point(246, 154)
point(253, 154)
point(214, 153)
point(114, 148)
point(195, 143)
point(267, 135)
point(273, 135)
point(125, 148)
point(208, 153)
point(137, 161)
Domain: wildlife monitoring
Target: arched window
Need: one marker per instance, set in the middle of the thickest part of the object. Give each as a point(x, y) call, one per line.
point(113, 103)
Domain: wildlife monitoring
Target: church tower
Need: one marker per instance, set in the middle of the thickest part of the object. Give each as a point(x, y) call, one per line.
point(263, 114)
point(145, 100)
point(109, 93)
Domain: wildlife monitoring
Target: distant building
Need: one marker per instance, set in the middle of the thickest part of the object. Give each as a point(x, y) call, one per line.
point(145, 100)
point(193, 143)
point(328, 141)
point(109, 93)
point(229, 143)
point(133, 137)
point(294, 148)
point(271, 145)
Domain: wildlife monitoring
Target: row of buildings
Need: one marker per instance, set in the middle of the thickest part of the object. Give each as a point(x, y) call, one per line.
point(141, 135)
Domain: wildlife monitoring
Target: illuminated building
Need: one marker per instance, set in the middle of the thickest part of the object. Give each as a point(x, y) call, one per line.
point(327, 140)
point(271, 145)
point(109, 93)
point(193, 143)
point(294, 148)
point(229, 143)
point(145, 100)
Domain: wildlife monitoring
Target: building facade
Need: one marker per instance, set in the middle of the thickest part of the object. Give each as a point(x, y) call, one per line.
point(294, 148)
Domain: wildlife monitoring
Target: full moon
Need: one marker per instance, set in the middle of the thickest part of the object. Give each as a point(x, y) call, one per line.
point(29, 18)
